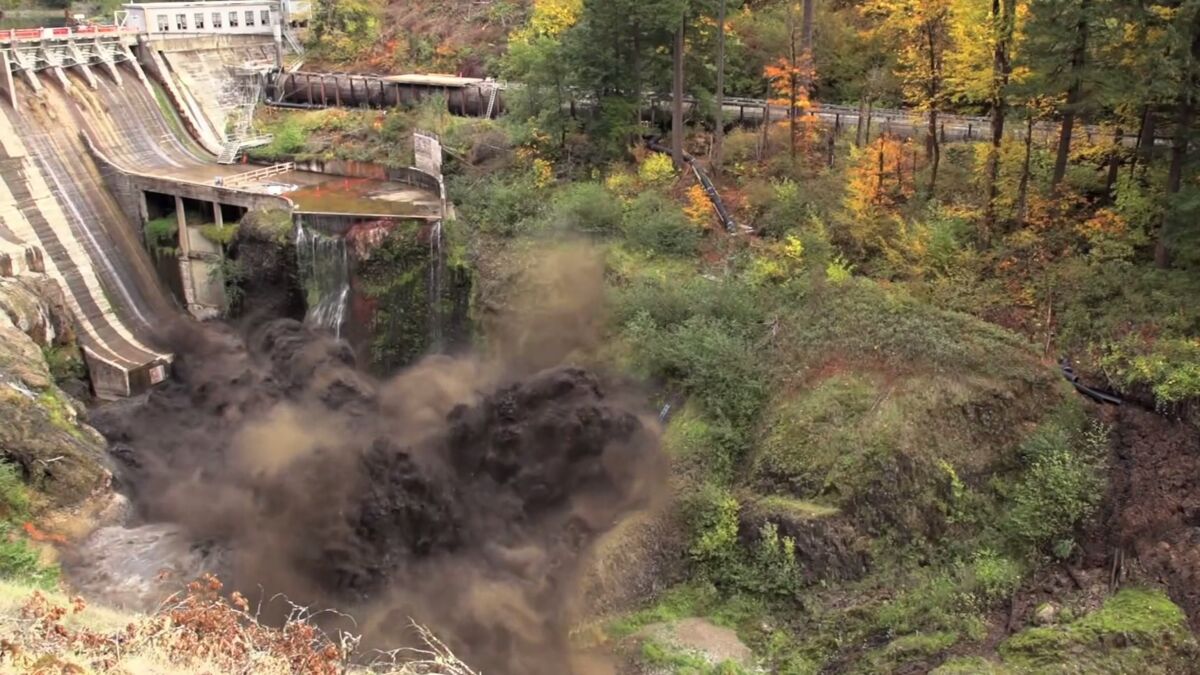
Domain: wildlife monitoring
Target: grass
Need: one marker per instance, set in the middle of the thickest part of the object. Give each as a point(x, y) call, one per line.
point(19, 559)
point(797, 509)
point(684, 662)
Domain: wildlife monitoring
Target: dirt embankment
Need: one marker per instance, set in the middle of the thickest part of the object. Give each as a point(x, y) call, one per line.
point(1150, 524)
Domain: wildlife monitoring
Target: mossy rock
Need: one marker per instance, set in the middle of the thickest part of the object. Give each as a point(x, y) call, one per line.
point(1137, 630)
point(910, 653)
point(61, 459)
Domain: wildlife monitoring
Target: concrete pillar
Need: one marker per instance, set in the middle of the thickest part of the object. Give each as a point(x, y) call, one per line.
point(8, 79)
point(181, 221)
point(62, 77)
point(106, 60)
point(218, 217)
point(185, 253)
point(137, 67)
point(81, 62)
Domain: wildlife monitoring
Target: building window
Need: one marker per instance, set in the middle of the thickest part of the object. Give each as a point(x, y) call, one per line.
point(264, 17)
point(164, 23)
point(217, 19)
point(249, 17)
point(233, 19)
point(198, 21)
point(181, 21)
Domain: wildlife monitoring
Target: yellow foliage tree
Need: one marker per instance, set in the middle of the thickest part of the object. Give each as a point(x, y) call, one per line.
point(880, 180)
point(549, 19)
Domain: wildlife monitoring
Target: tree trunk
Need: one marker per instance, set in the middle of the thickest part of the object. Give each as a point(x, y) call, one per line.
point(867, 128)
point(677, 97)
point(719, 130)
point(766, 128)
point(1074, 95)
point(858, 132)
point(1114, 166)
point(793, 81)
point(934, 146)
point(806, 27)
point(1003, 16)
point(1185, 116)
point(1023, 186)
point(1145, 141)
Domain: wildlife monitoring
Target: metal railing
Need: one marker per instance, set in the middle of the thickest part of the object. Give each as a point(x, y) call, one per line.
point(62, 33)
point(255, 175)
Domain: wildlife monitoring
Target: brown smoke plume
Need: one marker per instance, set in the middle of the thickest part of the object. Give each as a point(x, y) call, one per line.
point(464, 492)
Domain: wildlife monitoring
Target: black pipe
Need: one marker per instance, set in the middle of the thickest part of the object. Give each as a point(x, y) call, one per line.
point(1095, 394)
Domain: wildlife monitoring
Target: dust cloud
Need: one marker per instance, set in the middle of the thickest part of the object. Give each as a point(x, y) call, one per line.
point(464, 492)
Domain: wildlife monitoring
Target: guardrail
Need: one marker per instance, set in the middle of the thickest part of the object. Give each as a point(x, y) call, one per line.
point(257, 174)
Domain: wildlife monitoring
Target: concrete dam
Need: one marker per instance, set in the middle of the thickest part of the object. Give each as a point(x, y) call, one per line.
point(103, 134)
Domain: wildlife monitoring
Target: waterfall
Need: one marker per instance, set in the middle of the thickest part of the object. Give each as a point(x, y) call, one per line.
point(437, 260)
point(325, 276)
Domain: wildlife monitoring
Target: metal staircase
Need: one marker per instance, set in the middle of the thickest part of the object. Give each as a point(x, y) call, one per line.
point(241, 137)
point(293, 42)
point(492, 101)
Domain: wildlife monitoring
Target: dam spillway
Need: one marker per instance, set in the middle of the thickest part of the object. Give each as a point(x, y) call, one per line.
point(89, 156)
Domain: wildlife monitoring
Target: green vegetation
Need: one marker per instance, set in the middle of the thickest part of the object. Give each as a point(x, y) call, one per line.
point(65, 362)
point(1136, 631)
point(222, 235)
point(19, 560)
point(272, 225)
point(162, 234)
point(61, 411)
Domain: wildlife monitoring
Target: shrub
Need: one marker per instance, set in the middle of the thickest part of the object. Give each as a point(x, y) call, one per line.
point(702, 449)
point(712, 359)
point(657, 169)
point(623, 184)
point(786, 208)
point(65, 362)
point(773, 568)
point(222, 235)
point(993, 576)
point(498, 205)
point(1062, 483)
point(673, 298)
point(838, 271)
point(712, 514)
point(654, 224)
point(741, 145)
point(586, 208)
point(1171, 367)
point(160, 232)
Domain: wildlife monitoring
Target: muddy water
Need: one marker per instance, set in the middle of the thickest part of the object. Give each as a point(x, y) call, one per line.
point(363, 196)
